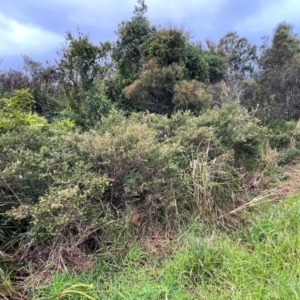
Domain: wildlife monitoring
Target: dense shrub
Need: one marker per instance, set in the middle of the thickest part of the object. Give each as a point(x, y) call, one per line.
point(238, 130)
point(168, 46)
point(48, 180)
point(164, 168)
point(74, 169)
point(144, 173)
point(153, 89)
point(191, 95)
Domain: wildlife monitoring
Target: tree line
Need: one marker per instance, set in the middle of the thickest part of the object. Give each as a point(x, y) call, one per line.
point(161, 70)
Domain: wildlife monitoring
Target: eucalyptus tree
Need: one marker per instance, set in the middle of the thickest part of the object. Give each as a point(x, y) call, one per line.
point(280, 75)
point(240, 56)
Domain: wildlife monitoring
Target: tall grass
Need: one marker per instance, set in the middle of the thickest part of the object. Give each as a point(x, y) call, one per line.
point(260, 261)
point(215, 184)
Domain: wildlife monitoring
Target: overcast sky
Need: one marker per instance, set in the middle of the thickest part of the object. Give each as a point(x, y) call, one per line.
point(36, 28)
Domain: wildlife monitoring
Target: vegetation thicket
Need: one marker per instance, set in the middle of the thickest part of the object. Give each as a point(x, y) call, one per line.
point(126, 165)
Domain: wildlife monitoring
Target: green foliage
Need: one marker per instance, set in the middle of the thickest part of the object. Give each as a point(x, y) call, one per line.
point(172, 45)
point(63, 287)
point(203, 144)
point(131, 35)
point(42, 81)
point(168, 46)
point(162, 90)
point(153, 89)
point(71, 209)
point(216, 66)
point(288, 155)
point(215, 183)
point(280, 91)
point(258, 261)
point(285, 44)
point(16, 112)
point(191, 95)
point(45, 86)
point(250, 95)
point(20, 101)
point(47, 105)
point(65, 182)
point(95, 106)
point(144, 174)
point(279, 77)
point(80, 67)
point(239, 54)
point(50, 183)
point(220, 93)
point(196, 64)
point(238, 130)
point(80, 61)
point(282, 133)
point(29, 162)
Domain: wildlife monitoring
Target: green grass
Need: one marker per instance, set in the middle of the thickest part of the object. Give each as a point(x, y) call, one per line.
point(261, 261)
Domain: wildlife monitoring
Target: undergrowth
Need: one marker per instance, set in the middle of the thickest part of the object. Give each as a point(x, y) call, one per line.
point(72, 198)
point(260, 261)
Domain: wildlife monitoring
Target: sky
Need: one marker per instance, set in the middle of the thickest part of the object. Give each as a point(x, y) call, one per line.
point(36, 28)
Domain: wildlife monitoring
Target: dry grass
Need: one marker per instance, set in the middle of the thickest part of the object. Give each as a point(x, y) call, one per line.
point(268, 157)
point(290, 185)
point(37, 264)
point(276, 193)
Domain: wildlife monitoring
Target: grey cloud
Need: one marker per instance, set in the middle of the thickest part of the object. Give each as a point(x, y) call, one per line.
point(204, 18)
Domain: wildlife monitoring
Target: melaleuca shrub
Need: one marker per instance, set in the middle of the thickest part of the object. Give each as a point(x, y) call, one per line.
point(143, 172)
point(153, 89)
point(191, 95)
point(54, 185)
point(238, 130)
point(219, 92)
point(65, 209)
point(283, 132)
point(167, 46)
point(183, 128)
point(47, 181)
